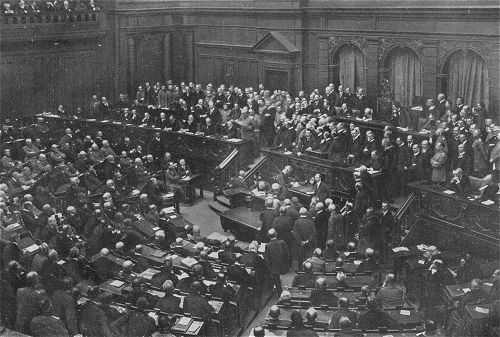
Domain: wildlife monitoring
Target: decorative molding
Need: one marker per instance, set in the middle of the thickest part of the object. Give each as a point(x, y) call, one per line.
point(448, 47)
point(335, 42)
point(387, 43)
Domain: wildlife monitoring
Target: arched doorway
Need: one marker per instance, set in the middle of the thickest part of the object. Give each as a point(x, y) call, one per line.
point(466, 75)
point(347, 67)
point(404, 73)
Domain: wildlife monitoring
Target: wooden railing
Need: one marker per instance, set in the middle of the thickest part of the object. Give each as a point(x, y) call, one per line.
point(224, 172)
point(50, 18)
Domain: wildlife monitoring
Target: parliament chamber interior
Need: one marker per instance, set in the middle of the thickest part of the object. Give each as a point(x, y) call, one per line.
point(249, 168)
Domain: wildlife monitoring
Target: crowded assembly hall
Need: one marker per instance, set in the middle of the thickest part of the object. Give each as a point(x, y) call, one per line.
point(249, 168)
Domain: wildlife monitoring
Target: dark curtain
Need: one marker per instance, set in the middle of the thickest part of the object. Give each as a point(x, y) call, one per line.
point(468, 77)
point(405, 75)
point(351, 67)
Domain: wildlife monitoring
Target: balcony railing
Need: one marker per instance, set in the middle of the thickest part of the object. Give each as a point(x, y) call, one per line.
point(49, 18)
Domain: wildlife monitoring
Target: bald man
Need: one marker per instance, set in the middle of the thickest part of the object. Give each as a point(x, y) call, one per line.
point(239, 181)
point(278, 259)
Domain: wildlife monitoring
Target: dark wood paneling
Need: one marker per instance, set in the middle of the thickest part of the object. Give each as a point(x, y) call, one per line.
point(32, 83)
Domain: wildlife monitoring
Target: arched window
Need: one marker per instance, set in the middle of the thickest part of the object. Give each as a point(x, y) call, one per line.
point(404, 72)
point(347, 67)
point(466, 75)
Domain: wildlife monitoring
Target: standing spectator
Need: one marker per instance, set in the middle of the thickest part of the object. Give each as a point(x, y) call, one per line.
point(438, 162)
point(304, 232)
point(277, 257)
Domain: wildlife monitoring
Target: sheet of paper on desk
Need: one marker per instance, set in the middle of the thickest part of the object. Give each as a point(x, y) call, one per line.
point(217, 236)
point(213, 255)
point(208, 283)
point(194, 327)
point(295, 184)
point(373, 171)
point(168, 210)
point(448, 192)
point(181, 305)
point(287, 152)
point(262, 248)
point(488, 202)
point(173, 216)
point(216, 305)
point(357, 262)
point(61, 262)
point(105, 121)
point(154, 316)
point(183, 276)
point(405, 312)
point(155, 293)
point(466, 290)
point(155, 229)
point(32, 248)
point(422, 247)
point(310, 192)
point(387, 336)
point(189, 261)
point(149, 273)
point(184, 321)
point(400, 249)
point(488, 284)
point(421, 262)
point(483, 310)
point(117, 283)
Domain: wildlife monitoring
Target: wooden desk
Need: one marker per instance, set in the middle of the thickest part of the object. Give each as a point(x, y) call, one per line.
point(339, 177)
point(324, 316)
point(411, 321)
point(478, 318)
point(469, 218)
point(151, 255)
point(304, 295)
point(243, 222)
point(189, 183)
point(203, 153)
point(455, 292)
point(355, 282)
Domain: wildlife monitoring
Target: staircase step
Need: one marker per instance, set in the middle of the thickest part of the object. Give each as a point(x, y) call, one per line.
point(217, 207)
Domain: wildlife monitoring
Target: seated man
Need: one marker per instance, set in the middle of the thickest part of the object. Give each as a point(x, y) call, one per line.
point(307, 279)
point(369, 264)
point(166, 274)
point(343, 311)
point(135, 322)
point(346, 326)
point(390, 295)
point(221, 288)
point(274, 318)
point(322, 296)
point(197, 305)
point(318, 264)
point(169, 303)
point(460, 182)
point(375, 317)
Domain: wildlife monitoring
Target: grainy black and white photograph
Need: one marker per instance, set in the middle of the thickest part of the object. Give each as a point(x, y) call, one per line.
point(249, 168)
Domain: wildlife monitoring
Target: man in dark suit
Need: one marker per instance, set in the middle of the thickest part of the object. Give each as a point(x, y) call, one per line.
point(304, 232)
point(209, 128)
point(322, 296)
point(389, 230)
point(27, 299)
point(169, 303)
point(197, 305)
point(266, 218)
point(399, 117)
point(321, 224)
point(135, 322)
point(321, 190)
point(463, 160)
point(45, 325)
point(155, 146)
point(278, 258)
point(64, 306)
point(346, 326)
point(360, 100)
point(93, 318)
point(375, 317)
point(343, 311)
point(415, 170)
point(460, 182)
point(283, 226)
point(307, 279)
point(166, 273)
point(221, 288)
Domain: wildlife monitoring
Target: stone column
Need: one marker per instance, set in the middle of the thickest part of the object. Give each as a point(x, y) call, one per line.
point(132, 64)
point(167, 57)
